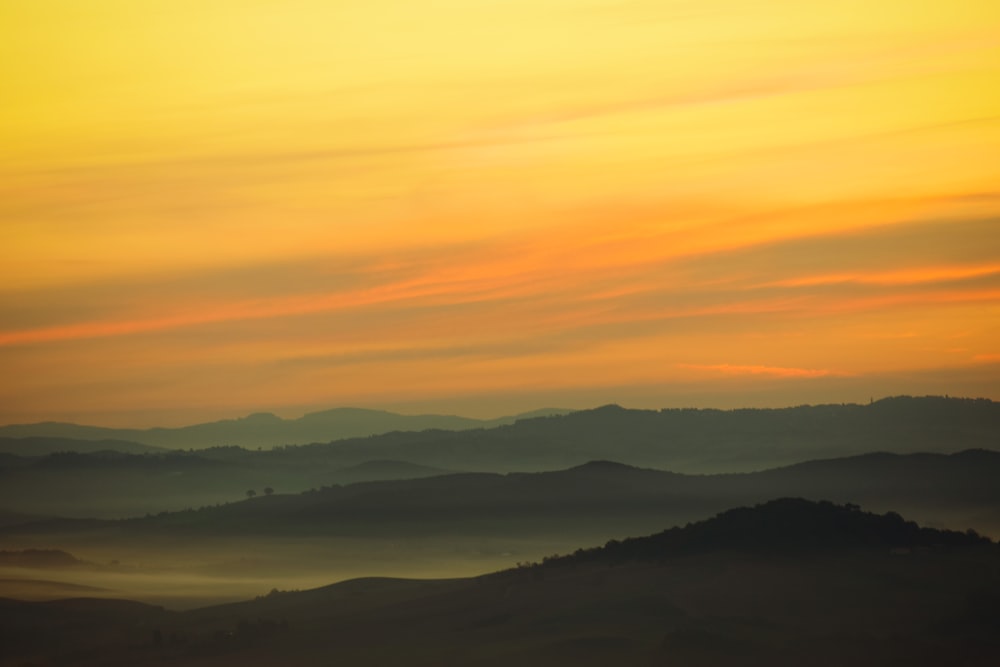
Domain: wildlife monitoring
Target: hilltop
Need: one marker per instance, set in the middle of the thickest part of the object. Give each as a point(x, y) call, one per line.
point(785, 525)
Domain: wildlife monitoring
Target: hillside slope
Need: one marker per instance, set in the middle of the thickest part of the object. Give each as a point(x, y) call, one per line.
point(785, 583)
point(600, 497)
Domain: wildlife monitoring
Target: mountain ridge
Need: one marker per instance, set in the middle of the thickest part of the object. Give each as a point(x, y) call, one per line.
point(265, 429)
point(931, 486)
point(684, 439)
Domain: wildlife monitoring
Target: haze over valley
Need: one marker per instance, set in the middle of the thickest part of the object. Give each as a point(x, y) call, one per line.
point(446, 503)
point(184, 529)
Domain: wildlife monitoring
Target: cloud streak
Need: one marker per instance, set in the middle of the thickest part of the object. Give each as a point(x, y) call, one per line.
point(766, 371)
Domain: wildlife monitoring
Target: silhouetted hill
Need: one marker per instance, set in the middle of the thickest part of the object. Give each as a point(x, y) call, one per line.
point(35, 631)
point(779, 525)
point(688, 440)
point(957, 490)
point(262, 429)
point(40, 446)
point(114, 484)
point(685, 440)
point(786, 583)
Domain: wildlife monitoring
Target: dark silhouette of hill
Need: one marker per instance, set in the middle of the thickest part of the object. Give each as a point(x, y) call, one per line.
point(957, 490)
point(687, 440)
point(114, 484)
point(119, 485)
point(789, 582)
point(33, 632)
point(41, 446)
point(778, 526)
point(111, 483)
point(261, 429)
point(683, 440)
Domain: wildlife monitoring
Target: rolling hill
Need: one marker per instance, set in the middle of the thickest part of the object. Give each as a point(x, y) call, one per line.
point(600, 497)
point(789, 582)
point(685, 440)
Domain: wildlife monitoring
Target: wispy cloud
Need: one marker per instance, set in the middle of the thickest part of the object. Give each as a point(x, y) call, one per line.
point(548, 281)
point(911, 276)
point(768, 371)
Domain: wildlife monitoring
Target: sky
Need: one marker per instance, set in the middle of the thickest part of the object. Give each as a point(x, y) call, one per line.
point(486, 206)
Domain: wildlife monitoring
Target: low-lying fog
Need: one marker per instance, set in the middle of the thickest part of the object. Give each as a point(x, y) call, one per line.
point(194, 573)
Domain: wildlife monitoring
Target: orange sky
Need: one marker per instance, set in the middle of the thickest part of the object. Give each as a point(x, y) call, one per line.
point(485, 206)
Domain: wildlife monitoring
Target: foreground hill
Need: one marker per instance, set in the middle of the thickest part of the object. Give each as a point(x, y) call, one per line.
point(789, 582)
point(784, 525)
point(261, 429)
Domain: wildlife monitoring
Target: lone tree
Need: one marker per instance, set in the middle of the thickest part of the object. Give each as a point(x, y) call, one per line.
point(268, 490)
point(251, 493)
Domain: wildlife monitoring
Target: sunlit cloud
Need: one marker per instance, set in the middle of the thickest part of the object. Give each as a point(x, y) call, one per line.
point(385, 202)
point(913, 276)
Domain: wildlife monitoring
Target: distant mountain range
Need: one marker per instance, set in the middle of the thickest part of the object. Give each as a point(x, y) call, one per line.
point(261, 429)
point(684, 440)
point(785, 583)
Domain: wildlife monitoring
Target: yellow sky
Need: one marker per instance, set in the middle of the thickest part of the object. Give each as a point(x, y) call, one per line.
point(482, 206)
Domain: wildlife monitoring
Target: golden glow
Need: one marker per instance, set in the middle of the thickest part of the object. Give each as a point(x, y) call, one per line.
point(261, 204)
